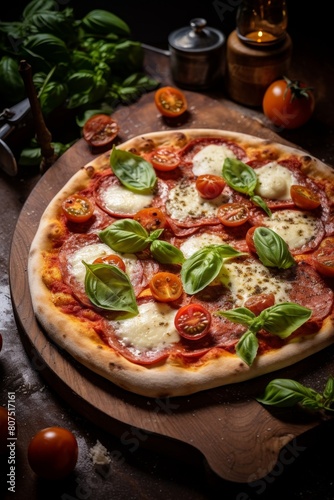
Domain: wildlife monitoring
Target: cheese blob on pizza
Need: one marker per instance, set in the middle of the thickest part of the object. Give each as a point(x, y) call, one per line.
point(185, 260)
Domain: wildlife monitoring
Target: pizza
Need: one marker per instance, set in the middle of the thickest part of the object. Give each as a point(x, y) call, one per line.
point(180, 261)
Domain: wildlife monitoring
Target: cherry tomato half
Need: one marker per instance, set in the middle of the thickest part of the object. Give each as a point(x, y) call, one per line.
point(78, 208)
point(100, 130)
point(303, 197)
point(233, 214)
point(250, 239)
point(192, 321)
point(288, 104)
point(324, 257)
point(53, 453)
point(151, 218)
point(113, 260)
point(257, 303)
point(164, 159)
point(209, 186)
point(170, 101)
point(166, 287)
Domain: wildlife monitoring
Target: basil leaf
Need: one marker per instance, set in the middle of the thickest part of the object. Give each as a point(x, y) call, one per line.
point(239, 176)
point(109, 287)
point(135, 173)
point(247, 347)
point(154, 235)
point(37, 6)
point(272, 249)
point(243, 179)
point(47, 46)
point(328, 393)
point(283, 319)
point(286, 392)
point(125, 236)
point(257, 200)
point(240, 315)
point(165, 253)
point(102, 22)
point(204, 266)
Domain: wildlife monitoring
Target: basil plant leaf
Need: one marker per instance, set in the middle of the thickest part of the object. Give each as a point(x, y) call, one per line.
point(272, 249)
point(240, 315)
point(283, 319)
point(286, 392)
point(166, 253)
point(135, 173)
point(257, 200)
point(239, 176)
point(329, 389)
point(109, 287)
point(204, 266)
point(125, 236)
point(247, 347)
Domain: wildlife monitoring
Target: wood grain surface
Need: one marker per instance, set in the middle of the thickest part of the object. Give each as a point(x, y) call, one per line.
point(240, 439)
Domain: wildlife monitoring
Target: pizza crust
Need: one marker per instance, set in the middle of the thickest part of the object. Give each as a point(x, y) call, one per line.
point(167, 379)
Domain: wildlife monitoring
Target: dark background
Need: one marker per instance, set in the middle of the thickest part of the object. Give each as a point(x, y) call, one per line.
point(151, 21)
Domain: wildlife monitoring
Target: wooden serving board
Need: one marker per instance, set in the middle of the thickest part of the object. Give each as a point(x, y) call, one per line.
point(240, 439)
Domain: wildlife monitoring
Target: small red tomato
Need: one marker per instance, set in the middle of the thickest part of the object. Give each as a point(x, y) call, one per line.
point(78, 208)
point(53, 453)
point(112, 260)
point(288, 103)
point(257, 303)
point(164, 159)
point(209, 186)
point(233, 214)
point(166, 287)
point(171, 102)
point(100, 130)
point(303, 197)
point(192, 321)
point(151, 218)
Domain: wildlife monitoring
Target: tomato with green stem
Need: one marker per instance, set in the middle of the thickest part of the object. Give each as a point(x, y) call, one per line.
point(288, 103)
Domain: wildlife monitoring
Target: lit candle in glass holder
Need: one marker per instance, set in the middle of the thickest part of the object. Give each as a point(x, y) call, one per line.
point(258, 50)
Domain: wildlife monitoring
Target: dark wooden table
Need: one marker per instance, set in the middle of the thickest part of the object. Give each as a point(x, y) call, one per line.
point(141, 469)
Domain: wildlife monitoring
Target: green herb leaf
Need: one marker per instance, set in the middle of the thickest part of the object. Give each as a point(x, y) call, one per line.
point(328, 393)
point(204, 266)
point(102, 22)
point(125, 236)
point(272, 249)
point(240, 315)
point(247, 347)
point(283, 319)
point(135, 173)
point(243, 179)
point(165, 253)
point(109, 287)
point(286, 392)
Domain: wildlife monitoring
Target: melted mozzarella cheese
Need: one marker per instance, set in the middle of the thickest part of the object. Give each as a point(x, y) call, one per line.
point(184, 201)
point(296, 228)
point(195, 243)
point(152, 329)
point(89, 253)
point(120, 200)
point(247, 278)
point(274, 181)
point(210, 159)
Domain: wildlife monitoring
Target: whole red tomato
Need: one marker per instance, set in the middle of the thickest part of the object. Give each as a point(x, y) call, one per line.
point(53, 453)
point(288, 103)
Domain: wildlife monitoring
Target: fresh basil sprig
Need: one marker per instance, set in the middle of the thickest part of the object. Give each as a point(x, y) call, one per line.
point(272, 249)
point(243, 179)
point(286, 392)
point(204, 266)
point(135, 173)
point(280, 319)
point(128, 236)
point(109, 287)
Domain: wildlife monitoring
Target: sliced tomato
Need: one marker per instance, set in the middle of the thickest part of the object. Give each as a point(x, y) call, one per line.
point(164, 159)
point(209, 186)
point(100, 130)
point(170, 101)
point(250, 239)
point(233, 214)
point(113, 260)
point(303, 197)
point(151, 218)
point(257, 303)
point(324, 257)
point(192, 321)
point(78, 208)
point(166, 287)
